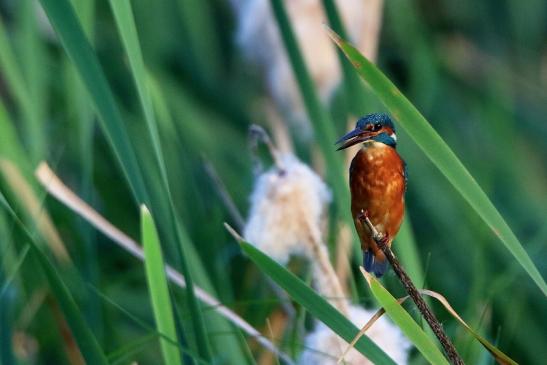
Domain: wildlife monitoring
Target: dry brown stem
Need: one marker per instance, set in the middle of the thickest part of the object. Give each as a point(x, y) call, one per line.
point(410, 288)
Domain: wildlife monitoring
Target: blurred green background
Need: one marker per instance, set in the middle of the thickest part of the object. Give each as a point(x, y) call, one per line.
point(476, 70)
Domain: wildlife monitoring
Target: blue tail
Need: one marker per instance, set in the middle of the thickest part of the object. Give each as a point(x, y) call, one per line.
point(372, 265)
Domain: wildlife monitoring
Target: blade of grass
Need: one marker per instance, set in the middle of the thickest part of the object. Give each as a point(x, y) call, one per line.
point(14, 271)
point(13, 74)
point(440, 154)
point(7, 355)
point(123, 14)
point(10, 146)
point(314, 303)
point(203, 50)
point(355, 93)
point(159, 291)
point(410, 328)
point(81, 107)
point(64, 20)
point(131, 349)
point(87, 342)
point(32, 57)
point(143, 325)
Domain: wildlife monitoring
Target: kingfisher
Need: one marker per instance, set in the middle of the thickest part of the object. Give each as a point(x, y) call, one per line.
point(377, 179)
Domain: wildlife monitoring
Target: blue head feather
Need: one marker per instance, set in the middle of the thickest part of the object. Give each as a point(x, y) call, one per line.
point(377, 118)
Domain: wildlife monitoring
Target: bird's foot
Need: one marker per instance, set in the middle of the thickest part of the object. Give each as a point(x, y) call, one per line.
point(363, 215)
point(383, 240)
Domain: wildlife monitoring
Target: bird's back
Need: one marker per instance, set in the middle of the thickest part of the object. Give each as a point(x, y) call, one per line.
point(378, 184)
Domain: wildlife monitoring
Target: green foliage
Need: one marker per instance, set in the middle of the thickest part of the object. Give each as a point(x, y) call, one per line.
point(159, 291)
point(87, 342)
point(126, 101)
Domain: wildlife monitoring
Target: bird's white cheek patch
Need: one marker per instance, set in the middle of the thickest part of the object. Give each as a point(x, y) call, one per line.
point(393, 136)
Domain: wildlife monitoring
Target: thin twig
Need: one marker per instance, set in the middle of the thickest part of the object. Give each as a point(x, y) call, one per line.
point(224, 194)
point(410, 288)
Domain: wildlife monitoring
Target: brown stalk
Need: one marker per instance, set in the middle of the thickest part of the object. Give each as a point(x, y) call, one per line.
point(414, 294)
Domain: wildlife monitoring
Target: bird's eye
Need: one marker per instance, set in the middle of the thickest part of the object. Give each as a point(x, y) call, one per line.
point(377, 127)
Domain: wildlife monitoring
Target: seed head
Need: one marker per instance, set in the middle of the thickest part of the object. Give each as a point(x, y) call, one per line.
point(287, 212)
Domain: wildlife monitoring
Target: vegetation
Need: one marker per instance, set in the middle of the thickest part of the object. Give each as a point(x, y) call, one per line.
point(143, 110)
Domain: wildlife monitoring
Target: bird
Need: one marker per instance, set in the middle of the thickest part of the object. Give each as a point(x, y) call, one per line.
point(378, 181)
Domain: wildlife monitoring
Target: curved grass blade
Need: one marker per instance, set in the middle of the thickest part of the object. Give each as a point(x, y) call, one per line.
point(436, 149)
point(500, 357)
point(87, 342)
point(410, 328)
point(159, 291)
point(314, 303)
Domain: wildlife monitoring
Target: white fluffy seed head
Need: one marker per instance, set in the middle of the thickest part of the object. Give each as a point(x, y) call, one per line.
point(324, 347)
point(287, 211)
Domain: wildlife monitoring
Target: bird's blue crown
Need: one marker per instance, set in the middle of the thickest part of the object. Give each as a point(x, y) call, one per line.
point(378, 118)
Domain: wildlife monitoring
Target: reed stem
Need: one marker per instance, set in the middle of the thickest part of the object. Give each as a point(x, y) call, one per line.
point(414, 294)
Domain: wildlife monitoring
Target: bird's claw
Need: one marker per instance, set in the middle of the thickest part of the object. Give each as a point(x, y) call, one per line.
point(363, 215)
point(383, 240)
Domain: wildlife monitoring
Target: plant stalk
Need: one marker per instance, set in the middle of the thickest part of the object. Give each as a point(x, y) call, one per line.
point(410, 288)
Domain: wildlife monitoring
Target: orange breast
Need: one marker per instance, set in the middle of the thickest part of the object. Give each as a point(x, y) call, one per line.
point(377, 183)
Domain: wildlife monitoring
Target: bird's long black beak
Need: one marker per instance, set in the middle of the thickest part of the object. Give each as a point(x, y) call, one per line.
point(352, 138)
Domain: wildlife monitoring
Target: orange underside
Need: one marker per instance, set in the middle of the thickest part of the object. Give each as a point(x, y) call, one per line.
point(377, 186)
